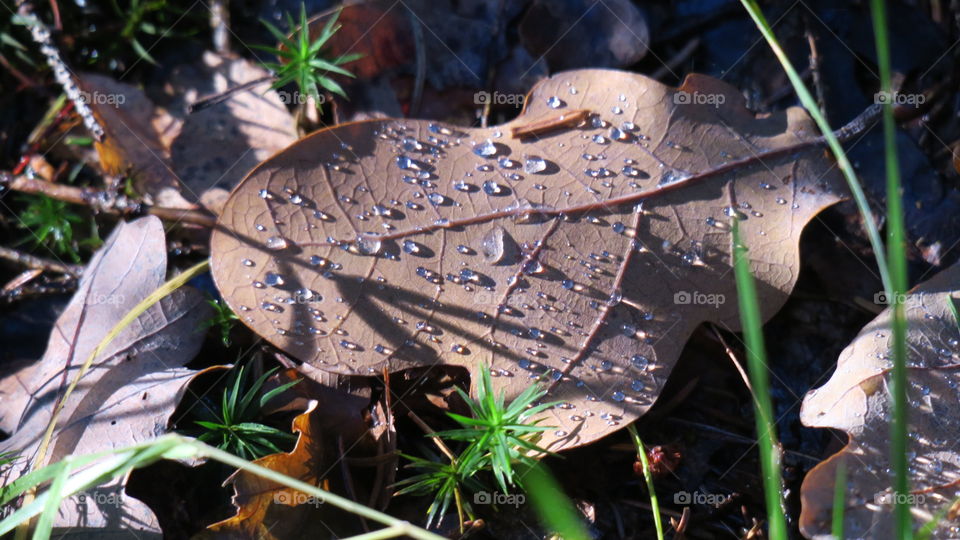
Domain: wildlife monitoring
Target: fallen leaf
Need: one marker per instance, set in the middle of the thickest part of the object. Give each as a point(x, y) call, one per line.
point(584, 253)
point(218, 145)
point(131, 388)
point(856, 400)
point(132, 146)
point(266, 510)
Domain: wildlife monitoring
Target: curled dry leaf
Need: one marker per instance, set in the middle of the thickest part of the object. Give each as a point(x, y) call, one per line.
point(332, 432)
point(131, 388)
point(585, 253)
point(856, 400)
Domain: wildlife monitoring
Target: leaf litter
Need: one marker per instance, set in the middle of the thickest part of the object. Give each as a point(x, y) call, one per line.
point(133, 385)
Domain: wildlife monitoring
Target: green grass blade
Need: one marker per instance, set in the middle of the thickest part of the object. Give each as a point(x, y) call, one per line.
point(553, 507)
point(810, 104)
point(751, 323)
point(55, 495)
point(654, 502)
point(897, 259)
point(839, 500)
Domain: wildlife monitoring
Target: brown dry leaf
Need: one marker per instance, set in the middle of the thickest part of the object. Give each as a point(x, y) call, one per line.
point(132, 387)
point(587, 254)
point(266, 510)
point(132, 145)
point(217, 146)
point(856, 399)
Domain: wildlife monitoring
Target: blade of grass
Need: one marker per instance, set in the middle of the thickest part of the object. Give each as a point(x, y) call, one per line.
point(897, 259)
point(926, 532)
point(554, 508)
point(751, 323)
point(654, 503)
point(839, 500)
point(810, 104)
point(120, 461)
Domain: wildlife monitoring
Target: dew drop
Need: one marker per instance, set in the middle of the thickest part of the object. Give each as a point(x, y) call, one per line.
point(368, 244)
point(533, 164)
point(273, 279)
point(267, 306)
point(499, 247)
point(276, 243)
point(639, 361)
point(493, 188)
point(485, 149)
point(438, 199)
point(554, 102)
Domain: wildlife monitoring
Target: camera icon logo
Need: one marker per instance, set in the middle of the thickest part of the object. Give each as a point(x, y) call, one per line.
point(682, 298)
point(682, 497)
point(482, 497)
point(481, 98)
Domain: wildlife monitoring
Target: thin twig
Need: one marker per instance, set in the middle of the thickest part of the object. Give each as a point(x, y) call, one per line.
point(61, 73)
point(733, 359)
point(216, 99)
point(437, 440)
point(815, 66)
point(677, 59)
point(39, 263)
point(104, 201)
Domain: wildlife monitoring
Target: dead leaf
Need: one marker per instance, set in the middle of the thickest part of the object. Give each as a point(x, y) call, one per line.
point(587, 254)
point(856, 399)
point(217, 146)
point(267, 510)
point(132, 146)
point(132, 387)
